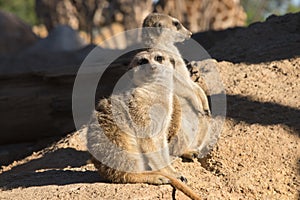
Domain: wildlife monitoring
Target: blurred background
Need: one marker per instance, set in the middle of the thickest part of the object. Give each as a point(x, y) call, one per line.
point(99, 19)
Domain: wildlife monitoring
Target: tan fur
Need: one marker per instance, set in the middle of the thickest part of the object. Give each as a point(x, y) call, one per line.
point(164, 32)
point(123, 121)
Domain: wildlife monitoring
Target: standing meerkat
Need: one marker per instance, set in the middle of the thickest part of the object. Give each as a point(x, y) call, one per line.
point(127, 135)
point(162, 31)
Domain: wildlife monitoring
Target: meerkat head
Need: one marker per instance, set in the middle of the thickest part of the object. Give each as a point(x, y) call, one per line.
point(164, 28)
point(151, 65)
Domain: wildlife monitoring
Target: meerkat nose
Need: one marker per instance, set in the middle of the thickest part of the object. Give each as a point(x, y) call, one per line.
point(153, 67)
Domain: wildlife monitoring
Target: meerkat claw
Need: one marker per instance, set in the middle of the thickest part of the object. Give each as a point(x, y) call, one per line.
point(207, 112)
point(201, 112)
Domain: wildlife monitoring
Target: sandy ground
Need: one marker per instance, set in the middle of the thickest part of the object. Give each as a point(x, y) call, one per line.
point(256, 157)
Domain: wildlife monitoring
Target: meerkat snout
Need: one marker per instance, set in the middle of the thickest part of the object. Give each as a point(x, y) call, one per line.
point(154, 67)
point(163, 28)
point(190, 34)
point(179, 26)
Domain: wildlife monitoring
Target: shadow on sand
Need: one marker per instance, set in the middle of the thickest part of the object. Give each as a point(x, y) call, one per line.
point(54, 168)
point(241, 108)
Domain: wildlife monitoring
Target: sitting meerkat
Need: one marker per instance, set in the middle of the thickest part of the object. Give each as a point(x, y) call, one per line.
point(127, 134)
point(162, 31)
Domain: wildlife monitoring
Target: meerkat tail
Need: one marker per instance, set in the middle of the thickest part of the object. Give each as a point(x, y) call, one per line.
point(180, 186)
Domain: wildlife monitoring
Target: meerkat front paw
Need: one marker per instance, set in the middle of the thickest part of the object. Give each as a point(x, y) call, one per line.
point(207, 112)
point(201, 110)
point(194, 70)
point(203, 101)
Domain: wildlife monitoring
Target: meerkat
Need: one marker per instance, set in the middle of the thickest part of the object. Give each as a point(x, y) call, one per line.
point(162, 31)
point(127, 134)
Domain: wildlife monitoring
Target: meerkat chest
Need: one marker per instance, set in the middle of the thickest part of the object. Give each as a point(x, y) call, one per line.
point(147, 106)
point(146, 100)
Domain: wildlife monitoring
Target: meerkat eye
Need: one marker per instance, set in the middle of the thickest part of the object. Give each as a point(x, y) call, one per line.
point(143, 61)
point(159, 58)
point(176, 24)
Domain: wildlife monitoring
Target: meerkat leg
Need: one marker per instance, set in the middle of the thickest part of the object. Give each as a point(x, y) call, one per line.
point(195, 75)
point(202, 96)
point(194, 71)
point(150, 177)
point(197, 99)
point(184, 89)
point(128, 177)
point(193, 151)
point(159, 178)
point(160, 157)
point(146, 177)
point(171, 171)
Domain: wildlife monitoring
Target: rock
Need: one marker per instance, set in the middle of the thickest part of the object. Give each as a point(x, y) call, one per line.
point(15, 35)
point(36, 94)
point(61, 38)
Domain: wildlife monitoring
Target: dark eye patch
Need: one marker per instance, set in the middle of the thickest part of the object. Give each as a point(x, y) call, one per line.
point(159, 58)
point(143, 61)
point(172, 61)
point(158, 24)
point(176, 24)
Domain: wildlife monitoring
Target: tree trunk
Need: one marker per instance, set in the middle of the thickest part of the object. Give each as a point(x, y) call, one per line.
point(91, 15)
point(203, 15)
